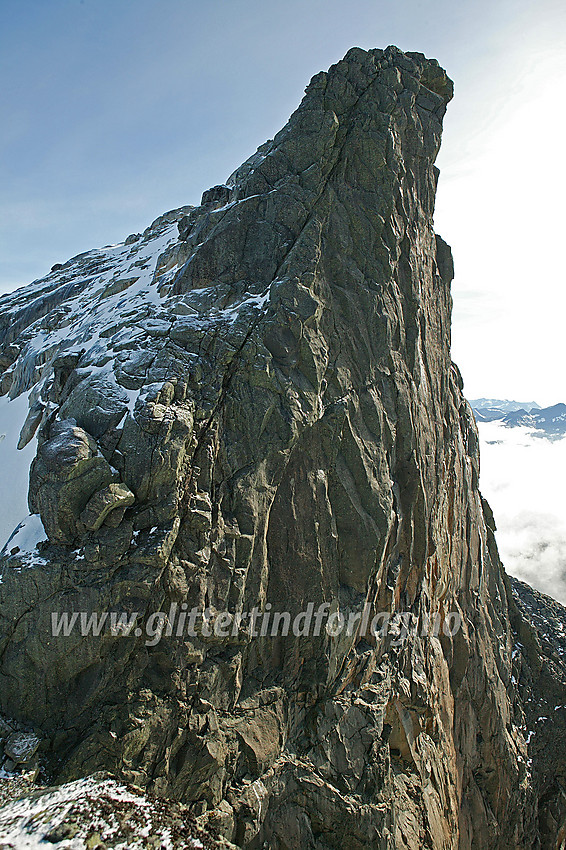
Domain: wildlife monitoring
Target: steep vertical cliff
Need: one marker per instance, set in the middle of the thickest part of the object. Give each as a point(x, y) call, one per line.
point(252, 406)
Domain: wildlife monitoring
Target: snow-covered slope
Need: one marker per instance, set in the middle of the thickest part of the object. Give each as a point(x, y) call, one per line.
point(105, 314)
point(97, 812)
point(74, 305)
point(14, 465)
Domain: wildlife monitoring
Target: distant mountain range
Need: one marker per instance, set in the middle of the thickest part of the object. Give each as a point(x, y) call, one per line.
point(549, 421)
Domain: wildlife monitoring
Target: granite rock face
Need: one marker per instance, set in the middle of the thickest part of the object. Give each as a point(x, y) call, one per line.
point(252, 405)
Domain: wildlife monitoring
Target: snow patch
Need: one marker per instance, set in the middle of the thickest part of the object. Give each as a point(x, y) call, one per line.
point(27, 535)
point(98, 810)
point(14, 465)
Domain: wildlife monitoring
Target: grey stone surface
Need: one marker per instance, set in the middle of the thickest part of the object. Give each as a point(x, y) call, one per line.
point(112, 499)
point(67, 471)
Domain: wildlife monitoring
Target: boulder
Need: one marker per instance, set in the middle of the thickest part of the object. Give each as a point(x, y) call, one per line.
point(66, 473)
point(99, 507)
point(21, 747)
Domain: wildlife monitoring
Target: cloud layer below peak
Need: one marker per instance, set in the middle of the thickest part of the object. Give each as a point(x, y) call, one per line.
point(523, 477)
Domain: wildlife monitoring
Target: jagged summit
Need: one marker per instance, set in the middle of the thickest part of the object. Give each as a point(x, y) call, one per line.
point(195, 272)
point(253, 408)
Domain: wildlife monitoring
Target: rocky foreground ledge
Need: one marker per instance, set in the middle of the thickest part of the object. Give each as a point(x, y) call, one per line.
point(252, 407)
point(96, 813)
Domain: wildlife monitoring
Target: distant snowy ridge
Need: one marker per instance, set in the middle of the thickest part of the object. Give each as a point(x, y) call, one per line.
point(503, 405)
point(546, 421)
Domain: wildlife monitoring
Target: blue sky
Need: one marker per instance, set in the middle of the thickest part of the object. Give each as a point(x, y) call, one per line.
point(113, 112)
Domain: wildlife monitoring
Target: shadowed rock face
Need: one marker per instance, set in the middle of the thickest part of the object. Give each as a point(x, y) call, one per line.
point(276, 421)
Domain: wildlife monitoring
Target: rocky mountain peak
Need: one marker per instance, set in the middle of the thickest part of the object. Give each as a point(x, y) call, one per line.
point(250, 409)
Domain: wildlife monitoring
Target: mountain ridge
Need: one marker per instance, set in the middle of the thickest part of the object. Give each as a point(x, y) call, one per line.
point(265, 416)
point(548, 421)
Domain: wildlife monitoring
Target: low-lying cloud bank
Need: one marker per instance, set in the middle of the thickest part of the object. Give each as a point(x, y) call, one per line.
point(523, 477)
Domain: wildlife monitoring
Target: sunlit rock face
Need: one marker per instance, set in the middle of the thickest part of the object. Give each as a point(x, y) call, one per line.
point(253, 405)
